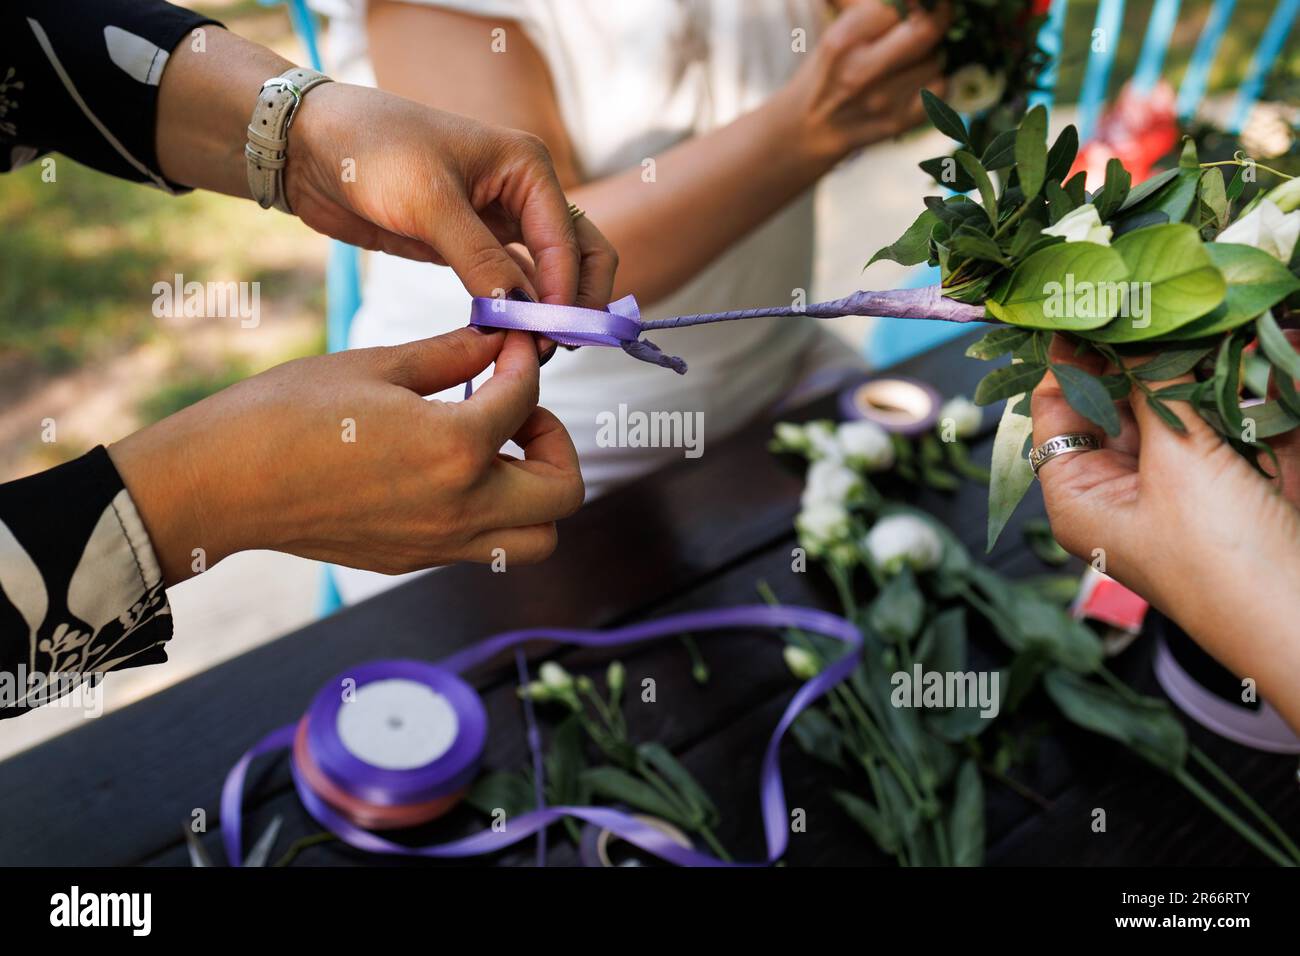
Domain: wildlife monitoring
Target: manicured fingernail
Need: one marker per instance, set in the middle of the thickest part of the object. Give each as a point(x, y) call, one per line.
point(519, 295)
point(550, 354)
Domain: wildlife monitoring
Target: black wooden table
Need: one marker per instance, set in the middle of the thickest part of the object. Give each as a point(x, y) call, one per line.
point(699, 534)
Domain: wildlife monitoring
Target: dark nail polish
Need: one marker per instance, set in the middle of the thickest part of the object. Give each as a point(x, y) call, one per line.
point(485, 329)
point(548, 356)
point(519, 295)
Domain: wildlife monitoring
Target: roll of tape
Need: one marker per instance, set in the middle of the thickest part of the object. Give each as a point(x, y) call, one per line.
point(906, 406)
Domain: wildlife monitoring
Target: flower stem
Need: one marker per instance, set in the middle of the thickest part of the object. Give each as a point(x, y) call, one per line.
point(1231, 819)
point(1246, 800)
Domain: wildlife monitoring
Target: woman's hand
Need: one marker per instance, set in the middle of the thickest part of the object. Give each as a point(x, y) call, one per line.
point(863, 81)
point(338, 458)
point(381, 172)
point(1183, 520)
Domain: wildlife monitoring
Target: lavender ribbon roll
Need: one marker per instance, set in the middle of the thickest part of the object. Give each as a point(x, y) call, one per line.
point(413, 732)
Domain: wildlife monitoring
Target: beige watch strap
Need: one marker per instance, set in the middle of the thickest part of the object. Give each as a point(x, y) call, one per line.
point(268, 133)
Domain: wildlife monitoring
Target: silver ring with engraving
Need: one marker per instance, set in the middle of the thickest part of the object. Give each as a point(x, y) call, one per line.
point(1060, 445)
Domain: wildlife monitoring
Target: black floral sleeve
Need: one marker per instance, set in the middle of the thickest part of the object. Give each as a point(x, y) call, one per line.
point(81, 592)
point(80, 77)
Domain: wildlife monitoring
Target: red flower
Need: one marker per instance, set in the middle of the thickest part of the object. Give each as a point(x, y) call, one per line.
point(1040, 7)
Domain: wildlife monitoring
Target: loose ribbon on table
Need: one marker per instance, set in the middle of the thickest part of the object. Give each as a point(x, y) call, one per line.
point(322, 765)
point(621, 325)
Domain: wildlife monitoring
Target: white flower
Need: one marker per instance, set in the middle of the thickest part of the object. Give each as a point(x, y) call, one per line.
point(865, 445)
point(1081, 225)
point(554, 676)
point(820, 436)
point(965, 415)
point(822, 525)
point(1266, 227)
point(903, 540)
point(802, 664)
point(973, 88)
point(830, 482)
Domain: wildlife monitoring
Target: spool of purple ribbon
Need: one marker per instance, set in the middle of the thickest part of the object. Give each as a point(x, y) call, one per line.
point(399, 734)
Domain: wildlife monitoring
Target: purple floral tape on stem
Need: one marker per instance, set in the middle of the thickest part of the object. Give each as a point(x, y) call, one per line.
point(906, 406)
point(621, 326)
point(385, 779)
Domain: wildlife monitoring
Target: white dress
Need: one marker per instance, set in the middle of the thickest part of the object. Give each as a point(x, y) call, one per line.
point(632, 79)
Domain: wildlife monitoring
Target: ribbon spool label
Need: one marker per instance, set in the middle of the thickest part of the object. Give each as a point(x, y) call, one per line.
point(397, 724)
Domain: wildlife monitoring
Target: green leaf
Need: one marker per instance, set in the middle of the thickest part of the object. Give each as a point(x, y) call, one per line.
point(1166, 414)
point(945, 118)
point(614, 783)
point(1031, 151)
point(946, 171)
point(899, 610)
point(943, 647)
point(1115, 190)
point(1169, 268)
point(1039, 293)
point(1215, 197)
point(1147, 188)
point(1062, 154)
point(974, 244)
point(509, 792)
point(1088, 397)
point(565, 761)
point(1010, 380)
point(1059, 202)
point(1256, 282)
point(1169, 365)
point(1227, 383)
point(661, 759)
point(819, 737)
point(876, 824)
point(1142, 723)
point(1001, 151)
point(1174, 198)
point(1276, 346)
point(1010, 475)
point(913, 247)
point(966, 821)
point(997, 343)
point(988, 196)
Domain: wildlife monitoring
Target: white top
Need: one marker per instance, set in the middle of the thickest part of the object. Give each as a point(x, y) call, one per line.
point(632, 79)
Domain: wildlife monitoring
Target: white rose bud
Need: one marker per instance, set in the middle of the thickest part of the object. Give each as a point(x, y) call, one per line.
point(822, 525)
point(965, 415)
point(555, 677)
point(802, 664)
point(900, 540)
point(831, 482)
point(1081, 225)
point(1266, 227)
point(789, 436)
point(821, 440)
point(973, 88)
point(865, 445)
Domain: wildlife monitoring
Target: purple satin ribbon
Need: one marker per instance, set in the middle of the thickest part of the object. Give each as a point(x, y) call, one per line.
point(621, 326)
point(647, 838)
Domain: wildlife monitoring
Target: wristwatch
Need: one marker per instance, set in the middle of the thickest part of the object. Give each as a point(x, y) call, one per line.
point(268, 133)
